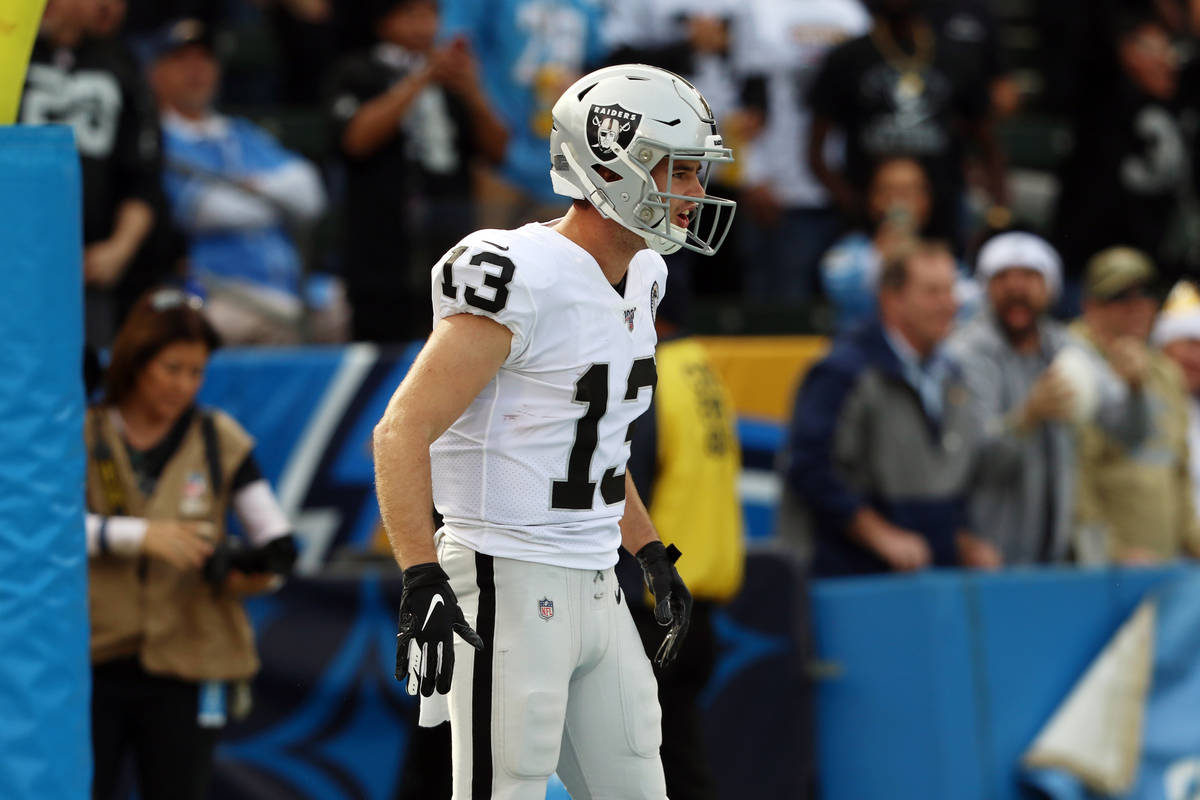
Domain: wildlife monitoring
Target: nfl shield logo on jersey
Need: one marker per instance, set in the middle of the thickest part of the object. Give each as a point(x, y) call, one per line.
point(608, 126)
point(629, 314)
point(546, 608)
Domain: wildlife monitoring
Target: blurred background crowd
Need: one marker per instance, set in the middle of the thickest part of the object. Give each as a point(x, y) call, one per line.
point(934, 182)
point(303, 163)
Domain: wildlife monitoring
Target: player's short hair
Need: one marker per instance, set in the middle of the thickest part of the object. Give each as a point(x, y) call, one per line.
point(893, 275)
point(159, 318)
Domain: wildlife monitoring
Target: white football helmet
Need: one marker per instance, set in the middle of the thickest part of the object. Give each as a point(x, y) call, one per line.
point(627, 118)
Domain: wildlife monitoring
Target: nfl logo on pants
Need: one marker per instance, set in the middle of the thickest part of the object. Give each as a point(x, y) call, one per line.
point(546, 608)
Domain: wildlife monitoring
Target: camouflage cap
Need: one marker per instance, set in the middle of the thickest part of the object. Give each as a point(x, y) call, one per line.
point(1117, 269)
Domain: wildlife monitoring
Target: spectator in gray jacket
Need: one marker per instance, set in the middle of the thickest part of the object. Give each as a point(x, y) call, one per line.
point(1023, 495)
point(882, 444)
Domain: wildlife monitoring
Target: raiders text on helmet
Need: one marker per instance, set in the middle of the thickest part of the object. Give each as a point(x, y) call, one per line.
point(626, 119)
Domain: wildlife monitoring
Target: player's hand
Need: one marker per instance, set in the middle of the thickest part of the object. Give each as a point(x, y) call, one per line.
point(183, 545)
point(672, 600)
point(429, 618)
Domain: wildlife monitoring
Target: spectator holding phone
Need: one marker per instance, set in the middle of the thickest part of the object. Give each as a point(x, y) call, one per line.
point(899, 204)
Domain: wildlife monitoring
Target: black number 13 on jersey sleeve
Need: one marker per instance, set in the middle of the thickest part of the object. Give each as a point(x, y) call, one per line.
point(576, 493)
point(498, 283)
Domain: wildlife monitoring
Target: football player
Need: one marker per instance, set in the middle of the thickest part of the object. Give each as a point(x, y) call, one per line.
point(514, 421)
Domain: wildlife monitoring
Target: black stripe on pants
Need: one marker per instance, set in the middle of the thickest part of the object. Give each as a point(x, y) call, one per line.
point(481, 691)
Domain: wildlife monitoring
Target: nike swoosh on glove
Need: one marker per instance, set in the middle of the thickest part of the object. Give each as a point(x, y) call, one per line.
point(429, 618)
point(672, 600)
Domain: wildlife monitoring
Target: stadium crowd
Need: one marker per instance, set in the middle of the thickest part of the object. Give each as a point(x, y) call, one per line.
point(302, 165)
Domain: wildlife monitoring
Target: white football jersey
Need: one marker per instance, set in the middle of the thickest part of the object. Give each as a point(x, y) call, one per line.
point(534, 469)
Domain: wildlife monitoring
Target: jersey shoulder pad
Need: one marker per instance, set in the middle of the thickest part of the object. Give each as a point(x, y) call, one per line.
point(534, 250)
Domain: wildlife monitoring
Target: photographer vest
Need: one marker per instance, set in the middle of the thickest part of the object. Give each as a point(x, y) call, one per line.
point(174, 621)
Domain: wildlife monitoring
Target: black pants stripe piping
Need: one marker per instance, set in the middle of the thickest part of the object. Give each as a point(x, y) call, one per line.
point(481, 690)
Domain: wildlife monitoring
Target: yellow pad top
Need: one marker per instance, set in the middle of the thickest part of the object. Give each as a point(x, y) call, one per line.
point(18, 27)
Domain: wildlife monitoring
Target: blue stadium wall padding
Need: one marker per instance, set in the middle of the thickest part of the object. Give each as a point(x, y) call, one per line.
point(44, 674)
point(940, 680)
point(903, 701)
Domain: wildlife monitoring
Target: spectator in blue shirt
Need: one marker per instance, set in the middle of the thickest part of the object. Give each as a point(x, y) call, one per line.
point(236, 193)
point(529, 52)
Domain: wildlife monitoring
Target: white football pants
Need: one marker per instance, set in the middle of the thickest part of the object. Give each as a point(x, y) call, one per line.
point(563, 684)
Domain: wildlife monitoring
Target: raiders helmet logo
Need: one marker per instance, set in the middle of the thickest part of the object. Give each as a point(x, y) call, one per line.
point(608, 126)
point(654, 301)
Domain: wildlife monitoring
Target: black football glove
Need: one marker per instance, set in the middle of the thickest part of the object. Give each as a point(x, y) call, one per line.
point(429, 618)
point(672, 600)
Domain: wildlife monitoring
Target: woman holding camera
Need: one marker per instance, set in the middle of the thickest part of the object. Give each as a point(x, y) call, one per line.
point(171, 646)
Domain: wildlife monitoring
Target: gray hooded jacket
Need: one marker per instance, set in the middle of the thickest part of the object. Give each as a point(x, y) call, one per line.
point(1022, 496)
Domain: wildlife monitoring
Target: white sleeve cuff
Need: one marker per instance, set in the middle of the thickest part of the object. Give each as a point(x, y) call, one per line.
point(260, 513)
point(122, 536)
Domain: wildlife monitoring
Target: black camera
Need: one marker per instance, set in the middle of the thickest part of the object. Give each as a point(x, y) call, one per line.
point(276, 556)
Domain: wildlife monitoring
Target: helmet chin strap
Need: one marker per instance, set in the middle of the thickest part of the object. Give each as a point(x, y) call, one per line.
point(599, 198)
point(661, 244)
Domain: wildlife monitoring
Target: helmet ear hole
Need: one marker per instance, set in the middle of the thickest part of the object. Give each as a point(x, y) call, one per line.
point(609, 175)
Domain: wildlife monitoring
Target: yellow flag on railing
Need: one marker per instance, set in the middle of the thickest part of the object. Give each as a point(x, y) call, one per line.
point(18, 27)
